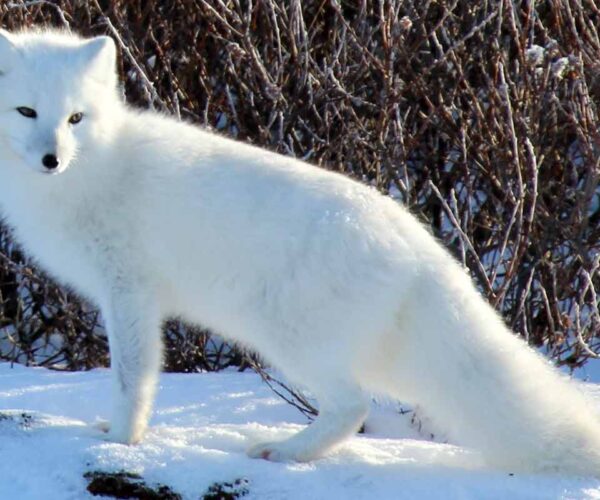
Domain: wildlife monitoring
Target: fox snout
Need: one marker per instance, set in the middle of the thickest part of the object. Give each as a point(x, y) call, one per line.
point(50, 158)
point(51, 153)
point(50, 161)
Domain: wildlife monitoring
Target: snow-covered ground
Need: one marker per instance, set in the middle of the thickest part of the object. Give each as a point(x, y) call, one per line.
point(203, 423)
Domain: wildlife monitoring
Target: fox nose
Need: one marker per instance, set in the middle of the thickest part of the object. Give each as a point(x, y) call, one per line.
point(50, 161)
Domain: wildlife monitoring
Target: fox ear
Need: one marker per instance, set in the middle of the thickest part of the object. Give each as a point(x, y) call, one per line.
point(8, 52)
point(100, 55)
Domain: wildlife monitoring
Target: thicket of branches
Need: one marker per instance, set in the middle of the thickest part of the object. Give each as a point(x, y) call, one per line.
point(480, 116)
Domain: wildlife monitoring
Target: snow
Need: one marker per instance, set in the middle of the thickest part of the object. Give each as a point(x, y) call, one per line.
point(590, 372)
point(202, 425)
point(560, 67)
point(535, 55)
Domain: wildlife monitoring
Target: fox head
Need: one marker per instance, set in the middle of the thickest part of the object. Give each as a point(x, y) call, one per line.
point(54, 89)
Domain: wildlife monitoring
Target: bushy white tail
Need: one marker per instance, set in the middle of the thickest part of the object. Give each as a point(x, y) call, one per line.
point(487, 388)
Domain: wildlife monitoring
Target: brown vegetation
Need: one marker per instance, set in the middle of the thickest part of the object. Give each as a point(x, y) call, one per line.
point(480, 116)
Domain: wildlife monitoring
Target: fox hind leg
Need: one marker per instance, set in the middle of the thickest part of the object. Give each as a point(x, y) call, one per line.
point(343, 408)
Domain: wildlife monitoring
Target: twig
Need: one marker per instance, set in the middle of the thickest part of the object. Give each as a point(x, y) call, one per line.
point(465, 239)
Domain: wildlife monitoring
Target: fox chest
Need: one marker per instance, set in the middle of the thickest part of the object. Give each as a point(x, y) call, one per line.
point(78, 251)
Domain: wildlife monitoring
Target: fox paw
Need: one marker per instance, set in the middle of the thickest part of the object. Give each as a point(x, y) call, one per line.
point(102, 426)
point(105, 431)
point(281, 451)
point(270, 451)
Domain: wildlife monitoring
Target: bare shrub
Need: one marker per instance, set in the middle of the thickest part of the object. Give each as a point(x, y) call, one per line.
point(480, 116)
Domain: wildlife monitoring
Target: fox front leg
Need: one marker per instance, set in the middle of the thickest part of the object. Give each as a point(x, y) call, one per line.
point(134, 332)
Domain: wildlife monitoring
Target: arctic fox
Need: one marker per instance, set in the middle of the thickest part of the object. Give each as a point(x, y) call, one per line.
point(336, 285)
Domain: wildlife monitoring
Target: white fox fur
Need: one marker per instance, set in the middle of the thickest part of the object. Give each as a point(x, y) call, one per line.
point(336, 285)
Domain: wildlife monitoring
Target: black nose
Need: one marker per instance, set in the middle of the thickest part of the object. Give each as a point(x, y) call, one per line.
point(50, 161)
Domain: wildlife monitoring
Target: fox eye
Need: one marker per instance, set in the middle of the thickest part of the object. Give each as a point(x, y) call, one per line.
point(27, 112)
point(75, 118)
